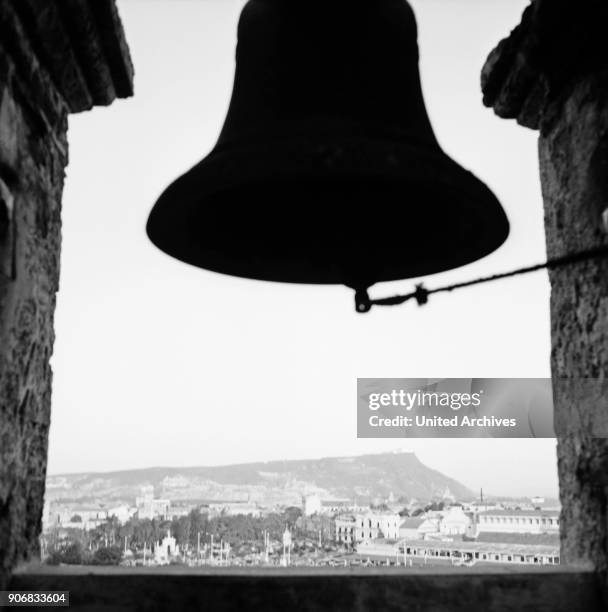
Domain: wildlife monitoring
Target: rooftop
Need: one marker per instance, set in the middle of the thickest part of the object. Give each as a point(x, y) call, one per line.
point(530, 513)
point(487, 547)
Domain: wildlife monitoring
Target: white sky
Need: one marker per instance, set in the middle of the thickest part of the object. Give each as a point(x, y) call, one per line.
point(160, 363)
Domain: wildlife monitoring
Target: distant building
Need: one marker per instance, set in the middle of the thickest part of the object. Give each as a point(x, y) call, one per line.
point(379, 548)
point(518, 521)
point(76, 517)
point(122, 513)
point(234, 508)
point(471, 553)
point(448, 496)
point(482, 506)
point(534, 503)
point(455, 522)
point(354, 528)
point(166, 550)
point(179, 510)
point(409, 528)
point(150, 508)
point(373, 525)
point(420, 528)
point(332, 507)
point(311, 504)
point(345, 527)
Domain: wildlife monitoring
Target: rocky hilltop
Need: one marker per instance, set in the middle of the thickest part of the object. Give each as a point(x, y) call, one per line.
point(362, 478)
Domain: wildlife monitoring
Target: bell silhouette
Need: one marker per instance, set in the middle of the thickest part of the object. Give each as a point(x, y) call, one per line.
point(327, 169)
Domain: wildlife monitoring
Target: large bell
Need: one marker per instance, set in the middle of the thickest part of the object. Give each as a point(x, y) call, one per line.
point(327, 169)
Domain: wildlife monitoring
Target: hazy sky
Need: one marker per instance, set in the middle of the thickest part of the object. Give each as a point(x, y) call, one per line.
point(160, 363)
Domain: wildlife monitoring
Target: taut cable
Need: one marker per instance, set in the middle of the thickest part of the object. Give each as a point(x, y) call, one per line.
point(363, 303)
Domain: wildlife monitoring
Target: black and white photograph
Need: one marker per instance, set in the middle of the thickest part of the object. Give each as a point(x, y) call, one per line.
point(304, 305)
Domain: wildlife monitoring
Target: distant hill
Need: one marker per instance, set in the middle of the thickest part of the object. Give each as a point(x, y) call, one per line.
point(363, 478)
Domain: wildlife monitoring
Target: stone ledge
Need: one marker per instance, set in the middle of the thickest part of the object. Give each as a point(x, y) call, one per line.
point(79, 43)
point(557, 43)
point(477, 589)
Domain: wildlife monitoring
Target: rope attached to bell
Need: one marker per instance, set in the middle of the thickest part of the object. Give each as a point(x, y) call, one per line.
point(363, 303)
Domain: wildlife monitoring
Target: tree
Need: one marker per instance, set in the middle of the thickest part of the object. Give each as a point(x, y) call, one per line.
point(72, 554)
point(292, 514)
point(107, 555)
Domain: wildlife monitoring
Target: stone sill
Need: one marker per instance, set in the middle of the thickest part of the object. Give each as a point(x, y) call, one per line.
point(483, 589)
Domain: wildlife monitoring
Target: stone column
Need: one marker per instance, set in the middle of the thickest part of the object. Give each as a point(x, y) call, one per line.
point(551, 74)
point(53, 61)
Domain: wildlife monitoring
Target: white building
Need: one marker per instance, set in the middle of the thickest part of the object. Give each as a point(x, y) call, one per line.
point(372, 525)
point(122, 513)
point(455, 522)
point(166, 550)
point(350, 529)
point(311, 504)
point(518, 521)
point(419, 528)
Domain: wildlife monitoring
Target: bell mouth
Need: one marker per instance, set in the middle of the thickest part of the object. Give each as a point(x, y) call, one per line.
point(352, 211)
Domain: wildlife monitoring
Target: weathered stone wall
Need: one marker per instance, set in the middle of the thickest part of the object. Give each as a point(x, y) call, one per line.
point(33, 154)
point(55, 58)
point(574, 174)
point(551, 74)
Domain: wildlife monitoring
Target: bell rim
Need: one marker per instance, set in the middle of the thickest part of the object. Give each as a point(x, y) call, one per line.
point(345, 159)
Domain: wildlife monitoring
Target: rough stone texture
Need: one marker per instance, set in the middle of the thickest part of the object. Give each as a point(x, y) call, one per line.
point(552, 74)
point(573, 160)
point(49, 66)
point(532, 72)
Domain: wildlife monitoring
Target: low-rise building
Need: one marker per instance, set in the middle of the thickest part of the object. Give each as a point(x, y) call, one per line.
point(484, 552)
point(379, 548)
point(353, 528)
point(409, 528)
point(518, 521)
point(182, 509)
point(122, 512)
point(75, 517)
point(234, 508)
point(482, 506)
point(373, 525)
point(149, 507)
point(333, 507)
point(455, 522)
point(345, 527)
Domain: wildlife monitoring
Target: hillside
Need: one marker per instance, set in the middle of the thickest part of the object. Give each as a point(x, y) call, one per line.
point(364, 478)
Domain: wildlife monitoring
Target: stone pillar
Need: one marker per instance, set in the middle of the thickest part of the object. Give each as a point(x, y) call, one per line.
point(551, 74)
point(55, 58)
